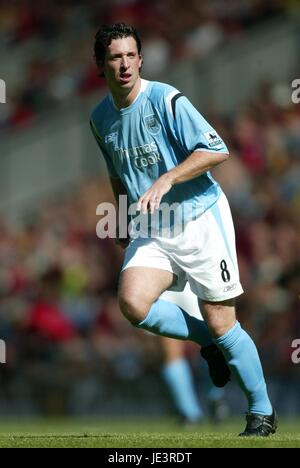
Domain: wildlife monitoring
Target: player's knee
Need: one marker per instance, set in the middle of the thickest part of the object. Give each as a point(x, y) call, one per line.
point(220, 316)
point(132, 308)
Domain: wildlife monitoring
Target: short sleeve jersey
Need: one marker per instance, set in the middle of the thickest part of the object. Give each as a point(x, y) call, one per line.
point(156, 133)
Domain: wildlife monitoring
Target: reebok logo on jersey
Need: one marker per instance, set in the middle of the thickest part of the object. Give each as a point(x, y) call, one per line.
point(112, 138)
point(213, 139)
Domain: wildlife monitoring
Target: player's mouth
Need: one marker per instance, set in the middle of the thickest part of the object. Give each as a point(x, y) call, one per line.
point(125, 77)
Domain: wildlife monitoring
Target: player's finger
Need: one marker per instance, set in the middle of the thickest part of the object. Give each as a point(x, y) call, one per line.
point(143, 199)
point(157, 202)
point(139, 204)
point(152, 206)
point(144, 206)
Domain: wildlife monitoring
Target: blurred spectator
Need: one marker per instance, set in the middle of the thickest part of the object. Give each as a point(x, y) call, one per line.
point(59, 34)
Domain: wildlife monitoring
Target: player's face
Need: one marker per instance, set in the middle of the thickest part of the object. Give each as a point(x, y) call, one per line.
point(122, 64)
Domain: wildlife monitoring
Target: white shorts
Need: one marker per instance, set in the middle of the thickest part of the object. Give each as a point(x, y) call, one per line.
point(185, 299)
point(204, 254)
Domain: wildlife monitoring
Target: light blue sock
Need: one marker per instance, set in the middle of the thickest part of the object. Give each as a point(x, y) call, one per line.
point(178, 376)
point(242, 357)
point(167, 319)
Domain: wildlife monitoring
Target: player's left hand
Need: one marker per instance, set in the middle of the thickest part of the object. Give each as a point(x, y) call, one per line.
point(151, 199)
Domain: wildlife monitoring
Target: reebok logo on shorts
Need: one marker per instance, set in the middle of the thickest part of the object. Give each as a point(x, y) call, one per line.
point(230, 288)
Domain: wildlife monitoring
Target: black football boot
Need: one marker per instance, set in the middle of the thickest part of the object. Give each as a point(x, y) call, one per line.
point(259, 425)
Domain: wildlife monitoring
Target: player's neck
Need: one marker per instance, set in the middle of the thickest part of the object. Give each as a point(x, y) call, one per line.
point(124, 100)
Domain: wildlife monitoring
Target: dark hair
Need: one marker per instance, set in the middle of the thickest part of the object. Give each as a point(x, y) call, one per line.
point(107, 33)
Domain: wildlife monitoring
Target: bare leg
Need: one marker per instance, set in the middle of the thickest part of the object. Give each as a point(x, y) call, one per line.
point(139, 288)
point(172, 349)
point(139, 297)
point(219, 316)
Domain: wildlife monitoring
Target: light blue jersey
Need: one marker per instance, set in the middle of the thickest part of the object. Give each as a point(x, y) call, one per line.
point(156, 133)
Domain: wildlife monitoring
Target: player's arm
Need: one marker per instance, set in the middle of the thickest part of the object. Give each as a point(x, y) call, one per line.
point(192, 167)
point(118, 188)
point(197, 139)
point(196, 164)
point(116, 183)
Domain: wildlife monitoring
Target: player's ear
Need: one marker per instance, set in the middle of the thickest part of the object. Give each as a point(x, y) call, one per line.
point(141, 62)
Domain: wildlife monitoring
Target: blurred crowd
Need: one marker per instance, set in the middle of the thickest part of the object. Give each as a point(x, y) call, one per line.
point(58, 309)
point(262, 182)
point(46, 46)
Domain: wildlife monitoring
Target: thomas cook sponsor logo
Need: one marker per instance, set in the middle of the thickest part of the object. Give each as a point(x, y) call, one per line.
point(152, 124)
point(142, 156)
point(231, 287)
point(213, 139)
point(151, 160)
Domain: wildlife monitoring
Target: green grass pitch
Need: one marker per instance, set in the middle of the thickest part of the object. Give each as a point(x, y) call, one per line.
point(138, 433)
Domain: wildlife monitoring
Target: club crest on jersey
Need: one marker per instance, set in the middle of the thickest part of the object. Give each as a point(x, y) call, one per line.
point(213, 139)
point(152, 124)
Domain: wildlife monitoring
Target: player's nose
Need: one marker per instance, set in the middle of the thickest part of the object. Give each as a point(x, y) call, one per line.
point(124, 63)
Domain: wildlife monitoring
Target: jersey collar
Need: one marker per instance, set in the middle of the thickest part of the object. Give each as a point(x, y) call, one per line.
point(124, 110)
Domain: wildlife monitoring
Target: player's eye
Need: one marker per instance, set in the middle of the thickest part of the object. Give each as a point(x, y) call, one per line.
point(114, 58)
